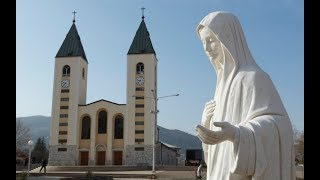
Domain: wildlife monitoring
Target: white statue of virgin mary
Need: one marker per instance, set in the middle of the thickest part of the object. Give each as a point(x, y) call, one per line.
point(245, 130)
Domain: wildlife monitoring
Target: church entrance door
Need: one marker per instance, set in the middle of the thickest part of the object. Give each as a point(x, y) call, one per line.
point(101, 157)
point(84, 158)
point(117, 157)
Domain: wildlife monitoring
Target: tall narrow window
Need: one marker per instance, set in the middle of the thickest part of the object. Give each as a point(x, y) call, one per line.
point(118, 127)
point(83, 73)
point(85, 132)
point(140, 68)
point(66, 70)
point(102, 122)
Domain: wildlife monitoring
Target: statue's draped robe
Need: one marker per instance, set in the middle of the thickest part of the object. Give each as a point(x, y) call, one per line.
point(246, 97)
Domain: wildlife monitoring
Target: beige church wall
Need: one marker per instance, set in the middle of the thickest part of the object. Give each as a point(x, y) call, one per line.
point(101, 139)
point(74, 63)
point(63, 128)
point(139, 118)
point(74, 98)
point(83, 82)
point(84, 143)
point(63, 137)
point(149, 102)
point(139, 127)
point(74, 95)
point(112, 110)
point(149, 61)
point(139, 136)
point(55, 104)
point(118, 144)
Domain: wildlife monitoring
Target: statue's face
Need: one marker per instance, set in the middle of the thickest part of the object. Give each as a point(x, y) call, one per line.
point(211, 44)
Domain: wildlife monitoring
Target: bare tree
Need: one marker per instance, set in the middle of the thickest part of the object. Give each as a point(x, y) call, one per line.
point(299, 144)
point(22, 135)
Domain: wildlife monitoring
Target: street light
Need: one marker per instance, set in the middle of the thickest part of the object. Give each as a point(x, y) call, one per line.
point(155, 112)
point(30, 143)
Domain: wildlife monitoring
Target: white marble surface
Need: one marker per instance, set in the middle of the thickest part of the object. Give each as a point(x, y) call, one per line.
point(245, 129)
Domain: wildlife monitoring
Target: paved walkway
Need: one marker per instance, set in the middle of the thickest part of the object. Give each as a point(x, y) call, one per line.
point(127, 175)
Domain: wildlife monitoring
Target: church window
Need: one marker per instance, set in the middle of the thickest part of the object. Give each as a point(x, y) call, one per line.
point(62, 149)
point(139, 123)
point(139, 114)
point(139, 140)
point(139, 97)
point(63, 132)
point(62, 141)
point(139, 148)
point(63, 124)
point(64, 107)
point(66, 70)
point(102, 122)
point(83, 73)
point(139, 131)
point(64, 90)
point(118, 127)
point(140, 68)
point(139, 105)
point(63, 115)
point(85, 133)
point(64, 99)
point(140, 89)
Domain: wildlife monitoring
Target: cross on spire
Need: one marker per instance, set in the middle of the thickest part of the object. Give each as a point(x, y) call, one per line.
point(143, 12)
point(74, 16)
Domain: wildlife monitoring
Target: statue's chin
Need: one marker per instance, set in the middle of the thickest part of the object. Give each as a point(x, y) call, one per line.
point(215, 59)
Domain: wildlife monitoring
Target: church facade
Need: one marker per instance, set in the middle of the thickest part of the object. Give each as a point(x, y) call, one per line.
point(105, 132)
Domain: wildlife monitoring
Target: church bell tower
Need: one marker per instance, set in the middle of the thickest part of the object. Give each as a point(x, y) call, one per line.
point(69, 90)
point(141, 93)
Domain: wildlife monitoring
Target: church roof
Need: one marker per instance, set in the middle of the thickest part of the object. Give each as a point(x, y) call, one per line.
point(101, 100)
point(141, 43)
point(71, 45)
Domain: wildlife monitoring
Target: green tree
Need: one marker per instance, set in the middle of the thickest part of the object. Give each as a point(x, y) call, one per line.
point(40, 150)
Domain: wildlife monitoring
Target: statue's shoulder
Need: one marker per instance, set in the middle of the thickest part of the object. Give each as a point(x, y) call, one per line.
point(252, 75)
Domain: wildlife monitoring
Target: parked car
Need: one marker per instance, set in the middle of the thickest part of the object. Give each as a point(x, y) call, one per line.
point(193, 157)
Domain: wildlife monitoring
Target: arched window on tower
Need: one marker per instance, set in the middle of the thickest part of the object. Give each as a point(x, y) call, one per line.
point(66, 70)
point(118, 127)
point(102, 122)
point(140, 68)
point(83, 73)
point(85, 132)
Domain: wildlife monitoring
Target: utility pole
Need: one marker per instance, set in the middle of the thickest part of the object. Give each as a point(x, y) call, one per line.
point(155, 112)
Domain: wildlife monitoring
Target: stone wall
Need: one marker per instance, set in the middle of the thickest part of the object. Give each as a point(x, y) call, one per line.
point(62, 158)
point(138, 157)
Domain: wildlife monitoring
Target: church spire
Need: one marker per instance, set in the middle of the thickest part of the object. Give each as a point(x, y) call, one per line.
point(141, 43)
point(71, 45)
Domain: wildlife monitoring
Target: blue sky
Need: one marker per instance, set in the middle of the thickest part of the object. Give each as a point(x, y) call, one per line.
point(274, 31)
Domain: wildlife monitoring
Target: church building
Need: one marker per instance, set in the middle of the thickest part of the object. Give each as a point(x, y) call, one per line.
point(104, 132)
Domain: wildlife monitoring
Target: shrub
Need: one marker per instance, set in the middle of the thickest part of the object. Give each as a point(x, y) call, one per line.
point(23, 175)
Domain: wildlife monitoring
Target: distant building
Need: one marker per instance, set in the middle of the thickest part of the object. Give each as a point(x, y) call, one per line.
point(104, 132)
point(167, 154)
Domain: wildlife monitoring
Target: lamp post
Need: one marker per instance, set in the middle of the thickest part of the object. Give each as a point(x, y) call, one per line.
point(30, 143)
point(155, 112)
